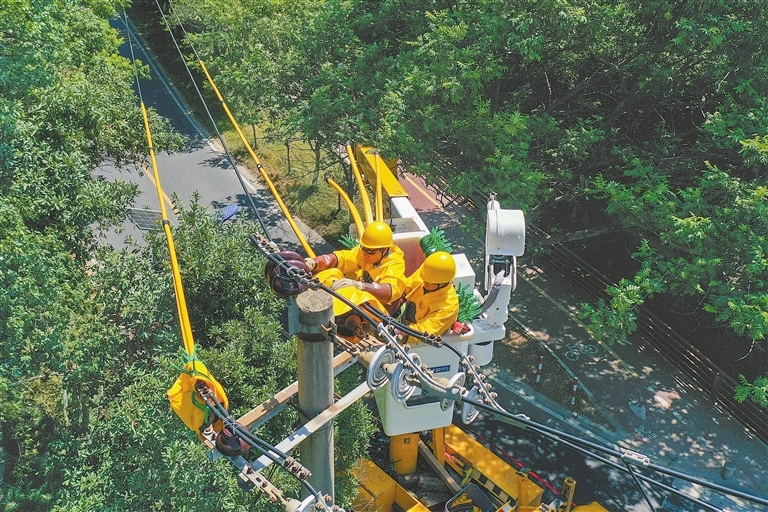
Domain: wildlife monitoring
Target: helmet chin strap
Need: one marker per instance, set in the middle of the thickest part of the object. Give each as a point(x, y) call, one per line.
point(439, 287)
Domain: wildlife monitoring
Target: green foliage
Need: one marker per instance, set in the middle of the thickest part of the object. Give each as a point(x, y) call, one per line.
point(222, 277)
point(139, 455)
point(35, 283)
point(67, 103)
point(116, 444)
point(614, 321)
point(755, 151)
point(757, 391)
point(353, 430)
point(711, 243)
point(526, 96)
point(87, 334)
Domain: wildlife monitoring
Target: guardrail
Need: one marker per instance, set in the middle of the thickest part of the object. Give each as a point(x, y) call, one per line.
point(703, 372)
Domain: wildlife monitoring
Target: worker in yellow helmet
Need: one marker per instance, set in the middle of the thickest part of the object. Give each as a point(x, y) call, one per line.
point(431, 303)
point(376, 266)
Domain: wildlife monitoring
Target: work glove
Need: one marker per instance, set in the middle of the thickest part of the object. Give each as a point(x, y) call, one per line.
point(310, 262)
point(344, 282)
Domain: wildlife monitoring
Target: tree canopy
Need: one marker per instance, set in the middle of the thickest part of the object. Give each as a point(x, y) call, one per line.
point(659, 107)
point(89, 335)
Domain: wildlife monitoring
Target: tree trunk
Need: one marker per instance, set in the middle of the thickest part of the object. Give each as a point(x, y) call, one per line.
point(317, 165)
point(288, 154)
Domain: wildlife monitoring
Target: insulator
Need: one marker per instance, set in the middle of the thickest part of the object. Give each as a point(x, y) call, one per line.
point(229, 444)
point(286, 255)
point(468, 411)
point(377, 376)
point(281, 282)
point(401, 390)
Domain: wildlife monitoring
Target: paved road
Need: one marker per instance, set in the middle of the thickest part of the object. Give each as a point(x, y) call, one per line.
point(201, 168)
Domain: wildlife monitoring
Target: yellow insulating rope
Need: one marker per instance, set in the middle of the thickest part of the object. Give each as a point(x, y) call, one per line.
point(181, 304)
point(379, 199)
point(272, 188)
point(361, 186)
point(350, 205)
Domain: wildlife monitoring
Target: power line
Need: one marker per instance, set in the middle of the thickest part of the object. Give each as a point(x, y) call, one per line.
point(631, 460)
point(224, 144)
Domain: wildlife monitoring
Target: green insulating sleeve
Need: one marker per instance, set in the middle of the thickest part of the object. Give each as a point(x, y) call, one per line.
point(435, 241)
point(469, 306)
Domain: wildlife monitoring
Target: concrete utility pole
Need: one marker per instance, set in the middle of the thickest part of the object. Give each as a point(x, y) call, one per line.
point(315, 311)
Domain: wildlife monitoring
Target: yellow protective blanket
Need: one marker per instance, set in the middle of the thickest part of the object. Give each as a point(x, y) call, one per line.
point(185, 401)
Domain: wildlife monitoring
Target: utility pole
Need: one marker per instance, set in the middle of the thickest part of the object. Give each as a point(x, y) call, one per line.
point(314, 309)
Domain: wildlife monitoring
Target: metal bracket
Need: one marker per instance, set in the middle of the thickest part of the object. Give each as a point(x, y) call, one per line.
point(635, 457)
point(259, 482)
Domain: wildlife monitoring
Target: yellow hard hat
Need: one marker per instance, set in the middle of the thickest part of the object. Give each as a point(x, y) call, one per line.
point(378, 235)
point(438, 268)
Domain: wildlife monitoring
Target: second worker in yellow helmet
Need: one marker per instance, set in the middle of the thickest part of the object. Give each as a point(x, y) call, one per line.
point(376, 266)
point(431, 302)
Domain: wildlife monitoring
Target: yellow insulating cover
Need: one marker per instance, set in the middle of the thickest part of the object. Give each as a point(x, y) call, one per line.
point(379, 492)
point(329, 276)
point(355, 296)
point(407, 502)
point(371, 162)
point(377, 489)
point(592, 507)
point(486, 463)
point(184, 399)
